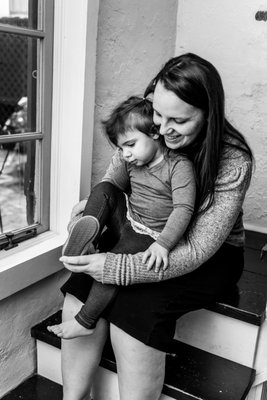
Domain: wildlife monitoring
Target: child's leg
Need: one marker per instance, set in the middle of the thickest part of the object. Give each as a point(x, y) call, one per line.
point(101, 295)
point(99, 298)
point(105, 206)
point(108, 205)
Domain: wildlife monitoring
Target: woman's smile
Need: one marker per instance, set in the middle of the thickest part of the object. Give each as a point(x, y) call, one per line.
point(172, 136)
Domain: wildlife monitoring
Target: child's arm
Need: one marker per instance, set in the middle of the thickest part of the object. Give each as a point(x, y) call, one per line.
point(183, 193)
point(183, 187)
point(117, 172)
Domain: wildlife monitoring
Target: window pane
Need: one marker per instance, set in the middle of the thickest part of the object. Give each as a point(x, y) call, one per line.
point(18, 192)
point(21, 13)
point(18, 83)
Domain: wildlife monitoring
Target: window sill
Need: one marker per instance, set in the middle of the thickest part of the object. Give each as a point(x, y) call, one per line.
point(31, 261)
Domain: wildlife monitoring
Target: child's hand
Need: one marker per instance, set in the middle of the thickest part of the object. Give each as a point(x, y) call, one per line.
point(157, 256)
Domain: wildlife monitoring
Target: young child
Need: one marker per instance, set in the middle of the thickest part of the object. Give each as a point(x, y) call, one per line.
point(151, 217)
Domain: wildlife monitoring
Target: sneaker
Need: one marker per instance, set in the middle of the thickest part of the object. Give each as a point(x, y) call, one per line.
point(81, 236)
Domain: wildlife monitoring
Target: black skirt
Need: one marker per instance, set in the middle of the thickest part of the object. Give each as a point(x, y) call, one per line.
point(148, 312)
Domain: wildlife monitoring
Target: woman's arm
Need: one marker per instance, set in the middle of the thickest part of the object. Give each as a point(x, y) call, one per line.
point(207, 234)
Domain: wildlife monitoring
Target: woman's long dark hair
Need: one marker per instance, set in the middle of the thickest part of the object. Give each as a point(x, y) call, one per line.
point(197, 82)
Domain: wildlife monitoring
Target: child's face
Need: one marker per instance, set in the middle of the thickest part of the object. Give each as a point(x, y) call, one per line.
point(138, 148)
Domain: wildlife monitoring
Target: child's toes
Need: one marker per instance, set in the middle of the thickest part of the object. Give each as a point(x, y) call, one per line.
point(50, 328)
point(54, 329)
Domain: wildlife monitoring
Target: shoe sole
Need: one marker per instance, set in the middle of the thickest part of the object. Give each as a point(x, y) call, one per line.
point(81, 235)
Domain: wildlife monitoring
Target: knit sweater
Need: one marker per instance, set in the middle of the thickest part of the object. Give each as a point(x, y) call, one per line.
point(221, 223)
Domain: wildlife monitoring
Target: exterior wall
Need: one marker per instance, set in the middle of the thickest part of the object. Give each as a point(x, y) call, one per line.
point(18, 313)
point(233, 36)
point(134, 39)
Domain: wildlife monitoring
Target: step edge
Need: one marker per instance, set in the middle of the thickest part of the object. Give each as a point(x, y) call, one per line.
point(169, 389)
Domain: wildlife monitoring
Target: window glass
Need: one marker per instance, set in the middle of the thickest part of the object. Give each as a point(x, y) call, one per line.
point(18, 194)
point(21, 13)
point(18, 82)
point(25, 119)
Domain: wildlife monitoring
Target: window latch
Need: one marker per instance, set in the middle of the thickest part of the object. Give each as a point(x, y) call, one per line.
point(11, 239)
point(10, 243)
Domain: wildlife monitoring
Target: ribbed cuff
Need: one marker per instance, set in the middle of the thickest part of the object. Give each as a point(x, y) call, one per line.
point(110, 269)
point(84, 322)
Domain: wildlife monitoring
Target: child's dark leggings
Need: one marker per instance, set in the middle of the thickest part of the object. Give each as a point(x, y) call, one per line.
point(107, 204)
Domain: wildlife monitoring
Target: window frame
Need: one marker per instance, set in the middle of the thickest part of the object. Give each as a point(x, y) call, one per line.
point(37, 258)
point(42, 135)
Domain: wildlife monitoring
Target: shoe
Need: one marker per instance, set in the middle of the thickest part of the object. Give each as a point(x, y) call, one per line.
point(81, 236)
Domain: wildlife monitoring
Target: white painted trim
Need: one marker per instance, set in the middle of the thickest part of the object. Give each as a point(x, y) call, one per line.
point(29, 249)
point(49, 361)
point(89, 98)
point(67, 115)
point(255, 228)
point(261, 357)
point(219, 334)
point(68, 109)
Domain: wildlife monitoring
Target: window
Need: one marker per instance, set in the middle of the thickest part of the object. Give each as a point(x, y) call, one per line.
point(26, 48)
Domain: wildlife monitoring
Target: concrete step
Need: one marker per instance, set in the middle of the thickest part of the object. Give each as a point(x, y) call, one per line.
point(234, 322)
point(36, 388)
point(191, 373)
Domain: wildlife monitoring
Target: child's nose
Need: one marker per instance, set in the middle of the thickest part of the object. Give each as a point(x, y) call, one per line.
point(126, 153)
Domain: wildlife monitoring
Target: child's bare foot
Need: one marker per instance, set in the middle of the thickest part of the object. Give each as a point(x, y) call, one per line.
point(69, 329)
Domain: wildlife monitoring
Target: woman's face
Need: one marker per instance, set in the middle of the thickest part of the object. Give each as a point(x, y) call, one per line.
point(179, 122)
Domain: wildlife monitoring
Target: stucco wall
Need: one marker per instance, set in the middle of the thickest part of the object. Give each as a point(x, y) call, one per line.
point(134, 39)
point(231, 35)
point(18, 313)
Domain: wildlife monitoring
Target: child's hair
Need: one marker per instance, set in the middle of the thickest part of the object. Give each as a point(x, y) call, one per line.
point(135, 113)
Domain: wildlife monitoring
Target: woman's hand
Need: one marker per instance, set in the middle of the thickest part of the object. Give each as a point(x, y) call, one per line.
point(78, 208)
point(91, 264)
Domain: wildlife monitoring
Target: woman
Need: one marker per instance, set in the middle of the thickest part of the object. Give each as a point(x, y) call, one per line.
point(188, 102)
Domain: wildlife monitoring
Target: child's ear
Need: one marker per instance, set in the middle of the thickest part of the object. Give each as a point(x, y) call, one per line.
point(155, 136)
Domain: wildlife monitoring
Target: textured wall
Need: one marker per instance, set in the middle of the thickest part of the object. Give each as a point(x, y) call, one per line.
point(233, 35)
point(18, 313)
point(134, 39)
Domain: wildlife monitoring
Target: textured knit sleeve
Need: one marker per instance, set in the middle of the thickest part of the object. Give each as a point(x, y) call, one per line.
point(117, 172)
point(208, 232)
point(183, 188)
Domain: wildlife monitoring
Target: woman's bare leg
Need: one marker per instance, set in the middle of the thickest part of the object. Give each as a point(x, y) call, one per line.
point(141, 369)
point(80, 356)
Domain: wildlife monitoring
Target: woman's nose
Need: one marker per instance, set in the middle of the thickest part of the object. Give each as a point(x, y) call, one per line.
point(163, 127)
